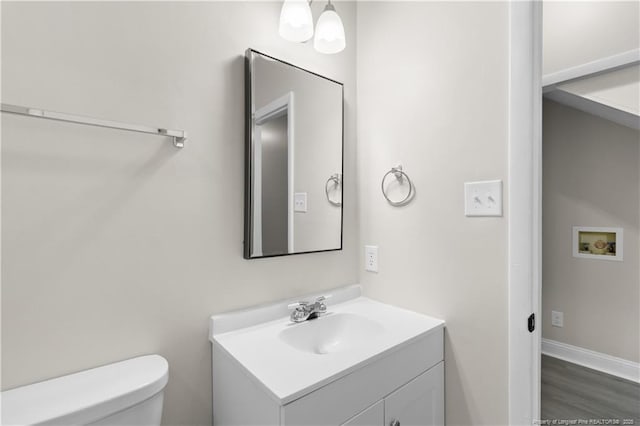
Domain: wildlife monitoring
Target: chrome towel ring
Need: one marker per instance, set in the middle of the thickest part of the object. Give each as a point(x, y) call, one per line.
point(336, 178)
point(400, 176)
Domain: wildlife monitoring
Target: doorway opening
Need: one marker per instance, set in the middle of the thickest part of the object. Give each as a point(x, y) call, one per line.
point(590, 198)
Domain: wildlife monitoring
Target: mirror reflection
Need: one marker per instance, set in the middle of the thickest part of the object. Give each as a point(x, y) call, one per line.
point(294, 159)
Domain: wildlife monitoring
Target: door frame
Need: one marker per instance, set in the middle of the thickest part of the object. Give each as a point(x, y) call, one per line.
point(284, 105)
point(525, 209)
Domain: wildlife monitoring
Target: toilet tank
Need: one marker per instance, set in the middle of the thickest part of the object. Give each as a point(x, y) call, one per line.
point(125, 393)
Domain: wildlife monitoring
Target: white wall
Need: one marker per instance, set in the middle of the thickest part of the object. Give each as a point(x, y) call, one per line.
point(591, 178)
point(577, 32)
point(116, 244)
point(432, 94)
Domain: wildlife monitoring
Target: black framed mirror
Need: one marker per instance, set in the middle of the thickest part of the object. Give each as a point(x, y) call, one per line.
point(294, 159)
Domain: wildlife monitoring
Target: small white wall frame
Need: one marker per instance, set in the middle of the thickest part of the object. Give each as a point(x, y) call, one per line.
point(619, 242)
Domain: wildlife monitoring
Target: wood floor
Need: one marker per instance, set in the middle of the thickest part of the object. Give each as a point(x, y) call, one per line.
point(573, 392)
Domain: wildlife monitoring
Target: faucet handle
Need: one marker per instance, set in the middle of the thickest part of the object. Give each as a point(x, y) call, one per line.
point(320, 306)
point(299, 304)
point(323, 298)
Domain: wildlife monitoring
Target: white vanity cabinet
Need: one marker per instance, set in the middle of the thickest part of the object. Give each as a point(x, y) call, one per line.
point(406, 385)
point(409, 382)
point(418, 403)
point(328, 375)
point(373, 415)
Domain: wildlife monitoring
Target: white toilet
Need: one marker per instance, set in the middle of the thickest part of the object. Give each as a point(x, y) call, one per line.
point(125, 393)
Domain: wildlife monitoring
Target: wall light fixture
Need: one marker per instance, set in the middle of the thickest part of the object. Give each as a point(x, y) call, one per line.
point(296, 24)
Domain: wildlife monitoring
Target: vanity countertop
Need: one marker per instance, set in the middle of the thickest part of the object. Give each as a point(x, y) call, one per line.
point(290, 360)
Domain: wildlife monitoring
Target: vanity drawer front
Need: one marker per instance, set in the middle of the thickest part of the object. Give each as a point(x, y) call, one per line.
point(338, 401)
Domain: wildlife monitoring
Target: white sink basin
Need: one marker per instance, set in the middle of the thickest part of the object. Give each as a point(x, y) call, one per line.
point(290, 360)
point(332, 333)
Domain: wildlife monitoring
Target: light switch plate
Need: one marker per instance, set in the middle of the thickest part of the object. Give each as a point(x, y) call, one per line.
point(483, 198)
point(300, 202)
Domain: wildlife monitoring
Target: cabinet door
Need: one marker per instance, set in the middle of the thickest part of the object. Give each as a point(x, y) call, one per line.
point(372, 416)
point(418, 403)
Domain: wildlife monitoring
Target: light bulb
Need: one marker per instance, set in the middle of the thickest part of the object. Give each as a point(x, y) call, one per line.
point(296, 22)
point(329, 36)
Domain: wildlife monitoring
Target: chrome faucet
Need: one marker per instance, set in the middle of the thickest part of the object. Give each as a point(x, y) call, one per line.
point(304, 310)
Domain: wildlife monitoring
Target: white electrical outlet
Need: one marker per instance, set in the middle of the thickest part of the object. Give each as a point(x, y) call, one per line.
point(557, 319)
point(371, 258)
point(300, 202)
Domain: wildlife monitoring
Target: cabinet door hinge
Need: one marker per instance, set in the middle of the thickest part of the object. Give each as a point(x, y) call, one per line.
point(531, 323)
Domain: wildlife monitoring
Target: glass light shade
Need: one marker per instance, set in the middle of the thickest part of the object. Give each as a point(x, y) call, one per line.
point(296, 22)
point(329, 36)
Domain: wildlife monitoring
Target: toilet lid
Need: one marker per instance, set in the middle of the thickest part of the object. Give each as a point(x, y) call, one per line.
point(86, 396)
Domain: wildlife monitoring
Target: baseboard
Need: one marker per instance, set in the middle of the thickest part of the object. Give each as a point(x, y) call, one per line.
point(591, 359)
